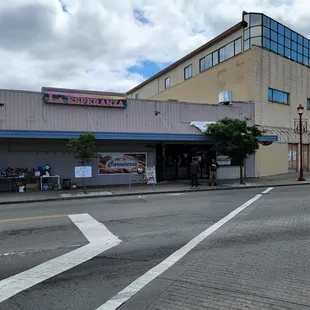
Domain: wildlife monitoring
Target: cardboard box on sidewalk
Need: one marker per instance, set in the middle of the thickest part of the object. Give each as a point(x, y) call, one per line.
point(32, 187)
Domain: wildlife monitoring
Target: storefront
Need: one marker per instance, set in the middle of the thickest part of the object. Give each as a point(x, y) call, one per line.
point(36, 126)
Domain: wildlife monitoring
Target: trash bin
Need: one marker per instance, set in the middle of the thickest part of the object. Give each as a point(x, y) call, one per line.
point(66, 183)
point(21, 188)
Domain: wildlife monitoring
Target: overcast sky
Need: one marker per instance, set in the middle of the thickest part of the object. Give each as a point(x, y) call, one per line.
point(112, 45)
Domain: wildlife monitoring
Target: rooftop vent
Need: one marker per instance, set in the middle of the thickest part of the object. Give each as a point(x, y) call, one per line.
point(225, 98)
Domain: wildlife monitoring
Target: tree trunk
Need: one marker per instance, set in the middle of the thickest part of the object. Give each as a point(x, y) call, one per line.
point(241, 171)
point(84, 186)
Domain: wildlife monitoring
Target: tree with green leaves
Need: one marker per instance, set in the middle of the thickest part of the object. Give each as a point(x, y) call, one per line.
point(235, 138)
point(84, 149)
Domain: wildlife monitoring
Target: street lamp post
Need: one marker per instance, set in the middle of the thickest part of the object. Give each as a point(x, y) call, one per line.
point(300, 129)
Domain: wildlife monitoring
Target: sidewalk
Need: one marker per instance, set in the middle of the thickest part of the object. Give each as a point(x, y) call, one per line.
point(289, 179)
point(257, 260)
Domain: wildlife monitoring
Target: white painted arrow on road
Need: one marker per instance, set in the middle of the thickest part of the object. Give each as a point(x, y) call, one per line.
point(100, 239)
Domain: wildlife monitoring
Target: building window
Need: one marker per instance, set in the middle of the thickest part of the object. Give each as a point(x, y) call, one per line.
point(281, 29)
point(215, 58)
point(256, 31)
point(274, 36)
point(277, 38)
point(278, 96)
point(167, 82)
point(274, 25)
point(274, 46)
point(256, 41)
point(308, 103)
point(227, 51)
point(266, 21)
point(266, 43)
point(288, 33)
point(187, 72)
point(137, 96)
point(266, 32)
point(206, 63)
point(255, 19)
point(231, 49)
point(281, 49)
point(238, 48)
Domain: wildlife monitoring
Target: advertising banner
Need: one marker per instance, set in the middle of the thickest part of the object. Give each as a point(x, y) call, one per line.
point(120, 163)
point(151, 175)
point(82, 172)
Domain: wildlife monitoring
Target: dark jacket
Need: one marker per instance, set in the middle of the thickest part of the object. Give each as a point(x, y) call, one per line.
point(194, 168)
point(214, 167)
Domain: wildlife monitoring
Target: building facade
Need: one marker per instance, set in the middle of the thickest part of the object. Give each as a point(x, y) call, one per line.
point(257, 60)
point(35, 128)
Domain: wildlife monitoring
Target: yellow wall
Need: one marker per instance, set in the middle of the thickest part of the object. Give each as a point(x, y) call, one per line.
point(234, 75)
point(274, 71)
point(271, 160)
point(248, 76)
point(176, 75)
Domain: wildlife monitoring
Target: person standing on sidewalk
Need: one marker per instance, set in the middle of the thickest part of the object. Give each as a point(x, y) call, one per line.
point(194, 172)
point(213, 172)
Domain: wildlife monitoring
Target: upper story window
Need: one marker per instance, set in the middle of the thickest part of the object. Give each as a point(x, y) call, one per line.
point(205, 63)
point(215, 58)
point(278, 96)
point(238, 46)
point(188, 72)
point(137, 95)
point(231, 49)
point(167, 82)
point(268, 33)
point(227, 51)
point(308, 103)
point(255, 19)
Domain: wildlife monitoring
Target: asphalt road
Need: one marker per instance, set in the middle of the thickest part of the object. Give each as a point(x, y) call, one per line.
point(150, 228)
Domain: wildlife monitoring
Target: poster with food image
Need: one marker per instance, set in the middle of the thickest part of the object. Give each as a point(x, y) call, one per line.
point(120, 163)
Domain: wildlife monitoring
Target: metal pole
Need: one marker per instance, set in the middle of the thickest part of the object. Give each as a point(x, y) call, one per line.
point(301, 170)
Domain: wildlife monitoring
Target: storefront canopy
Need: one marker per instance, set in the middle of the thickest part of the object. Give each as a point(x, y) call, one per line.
point(202, 126)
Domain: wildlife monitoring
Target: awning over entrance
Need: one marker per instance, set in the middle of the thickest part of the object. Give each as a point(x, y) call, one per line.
point(285, 135)
point(202, 126)
point(132, 136)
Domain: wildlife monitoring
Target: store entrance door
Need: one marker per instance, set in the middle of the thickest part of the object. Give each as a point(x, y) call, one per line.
point(305, 148)
point(292, 157)
point(178, 158)
point(160, 163)
point(176, 162)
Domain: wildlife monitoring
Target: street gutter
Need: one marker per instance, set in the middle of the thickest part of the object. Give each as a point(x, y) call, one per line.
point(147, 193)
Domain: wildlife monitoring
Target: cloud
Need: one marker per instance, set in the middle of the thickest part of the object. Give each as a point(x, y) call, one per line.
point(114, 45)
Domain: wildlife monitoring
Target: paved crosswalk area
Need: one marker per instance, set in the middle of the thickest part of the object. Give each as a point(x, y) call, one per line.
point(258, 261)
point(214, 257)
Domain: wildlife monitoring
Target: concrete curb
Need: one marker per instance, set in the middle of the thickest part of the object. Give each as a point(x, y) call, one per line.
point(148, 193)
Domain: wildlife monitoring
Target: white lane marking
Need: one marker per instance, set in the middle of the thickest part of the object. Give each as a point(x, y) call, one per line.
point(175, 194)
point(100, 240)
point(94, 231)
point(266, 191)
point(133, 288)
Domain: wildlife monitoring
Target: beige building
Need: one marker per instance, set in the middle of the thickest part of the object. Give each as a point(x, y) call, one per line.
point(257, 60)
